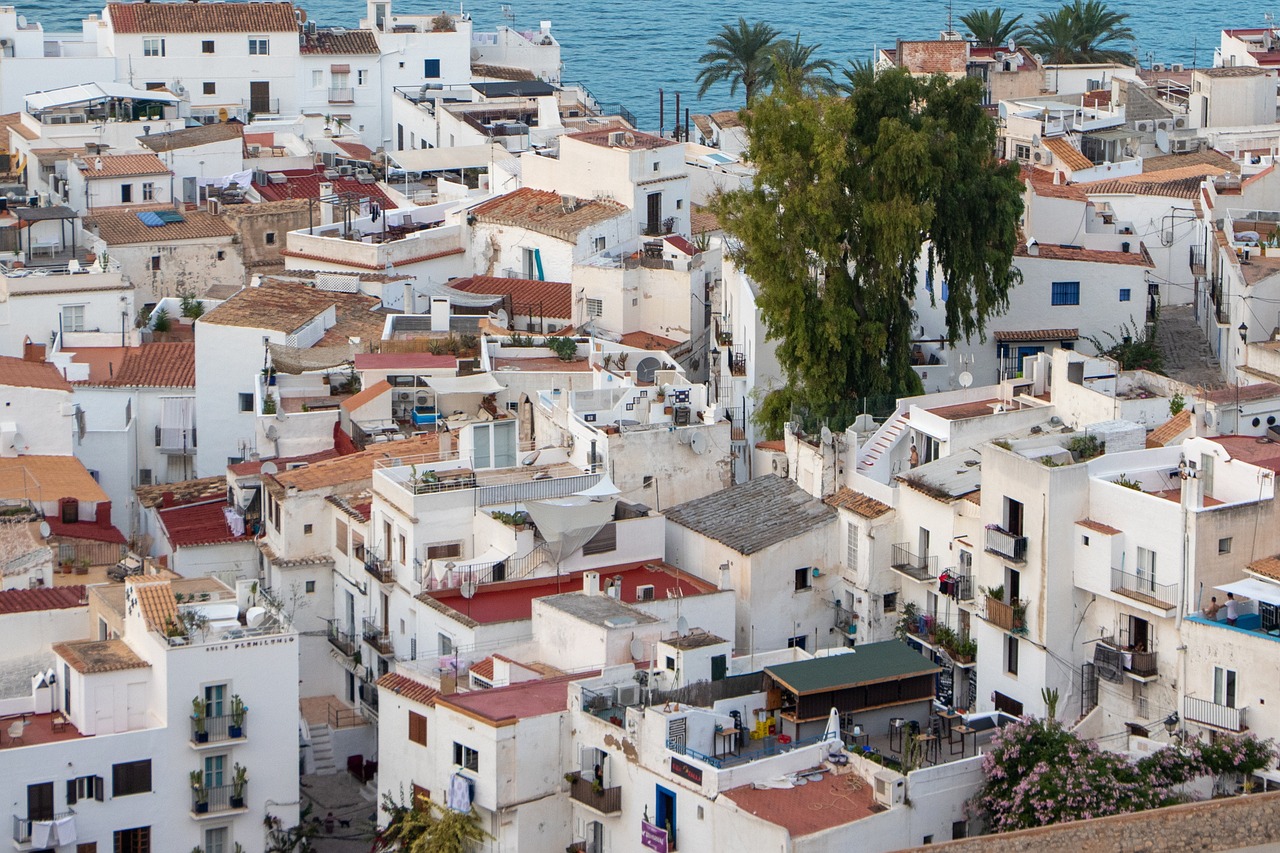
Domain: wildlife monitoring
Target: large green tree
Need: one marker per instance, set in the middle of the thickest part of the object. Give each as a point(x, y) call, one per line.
point(1080, 31)
point(990, 27)
point(428, 827)
point(741, 55)
point(796, 65)
point(850, 195)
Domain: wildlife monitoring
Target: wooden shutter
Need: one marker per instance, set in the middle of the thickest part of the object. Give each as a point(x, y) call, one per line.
point(417, 728)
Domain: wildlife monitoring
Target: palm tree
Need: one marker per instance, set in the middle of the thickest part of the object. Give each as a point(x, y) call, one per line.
point(794, 65)
point(739, 54)
point(1083, 31)
point(990, 28)
point(428, 827)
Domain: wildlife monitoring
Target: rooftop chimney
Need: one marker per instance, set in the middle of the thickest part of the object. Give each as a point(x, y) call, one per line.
point(591, 583)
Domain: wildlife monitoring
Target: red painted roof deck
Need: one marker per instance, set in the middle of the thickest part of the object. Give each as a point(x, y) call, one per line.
point(505, 706)
point(37, 729)
point(818, 806)
point(513, 601)
point(198, 524)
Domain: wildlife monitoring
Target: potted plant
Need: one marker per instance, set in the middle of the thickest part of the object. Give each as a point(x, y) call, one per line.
point(160, 321)
point(200, 791)
point(82, 566)
point(236, 729)
point(198, 709)
point(1019, 616)
point(239, 778)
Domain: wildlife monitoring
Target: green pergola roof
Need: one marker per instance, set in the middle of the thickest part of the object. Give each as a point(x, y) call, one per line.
point(874, 662)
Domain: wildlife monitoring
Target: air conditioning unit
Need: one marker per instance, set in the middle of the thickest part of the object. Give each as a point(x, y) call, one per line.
point(214, 205)
point(278, 178)
point(890, 788)
point(1180, 123)
point(1162, 125)
point(781, 466)
point(253, 150)
point(1159, 66)
point(1177, 66)
point(627, 694)
point(404, 396)
point(344, 171)
point(1045, 158)
point(615, 138)
point(1145, 126)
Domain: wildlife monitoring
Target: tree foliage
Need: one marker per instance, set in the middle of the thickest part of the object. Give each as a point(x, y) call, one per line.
point(428, 828)
point(1080, 31)
point(1134, 349)
point(851, 194)
point(990, 27)
point(740, 54)
point(795, 66)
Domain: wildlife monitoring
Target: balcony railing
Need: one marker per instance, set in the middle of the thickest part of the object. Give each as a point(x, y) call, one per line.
point(383, 570)
point(343, 641)
point(216, 729)
point(605, 801)
point(378, 638)
point(269, 106)
point(1007, 616)
point(1007, 545)
point(1141, 664)
point(913, 565)
point(341, 95)
point(957, 585)
point(1213, 714)
point(660, 228)
point(219, 798)
point(22, 826)
point(1144, 588)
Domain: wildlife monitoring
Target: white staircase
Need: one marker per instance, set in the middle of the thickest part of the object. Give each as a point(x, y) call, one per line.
point(322, 750)
point(877, 448)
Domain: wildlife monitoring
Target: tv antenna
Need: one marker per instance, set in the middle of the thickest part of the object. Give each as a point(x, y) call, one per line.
point(510, 14)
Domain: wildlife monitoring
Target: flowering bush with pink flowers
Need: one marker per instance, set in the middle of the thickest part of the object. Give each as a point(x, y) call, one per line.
point(1038, 773)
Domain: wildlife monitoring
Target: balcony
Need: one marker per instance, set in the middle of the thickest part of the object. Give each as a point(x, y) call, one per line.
point(605, 801)
point(1011, 617)
point(913, 565)
point(343, 641)
point(1143, 588)
point(375, 636)
point(1213, 714)
point(383, 570)
point(956, 584)
point(1006, 544)
point(342, 95)
point(22, 826)
point(217, 800)
point(1140, 666)
point(659, 228)
point(207, 730)
point(261, 106)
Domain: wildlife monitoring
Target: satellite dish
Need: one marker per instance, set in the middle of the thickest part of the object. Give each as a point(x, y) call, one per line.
point(647, 369)
point(698, 443)
point(269, 468)
point(637, 649)
point(45, 530)
point(222, 114)
point(272, 433)
point(826, 436)
point(22, 22)
point(468, 588)
point(966, 379)
point(682, 626)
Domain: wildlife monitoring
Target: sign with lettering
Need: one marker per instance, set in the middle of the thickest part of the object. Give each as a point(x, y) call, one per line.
point(685, 770)
point(653, 838)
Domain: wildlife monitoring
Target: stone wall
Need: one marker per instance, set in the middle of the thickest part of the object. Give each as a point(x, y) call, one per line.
point(1225, 824)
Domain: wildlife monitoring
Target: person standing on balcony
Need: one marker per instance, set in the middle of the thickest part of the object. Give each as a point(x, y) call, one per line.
point(1232, 606)
point(1211, 612)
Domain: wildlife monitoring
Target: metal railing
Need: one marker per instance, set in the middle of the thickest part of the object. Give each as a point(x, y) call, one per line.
point(342, 95)
point(343, 641)
point(22, 825)
point(383, 570)
point(1006, 544)
point(215, 729)
point(345, 718)
point(606, 800)
point(660, 228)
point(911, 564)
point(378, 638)
point(1139, 663)
point(956, 584)
point(1213, 714)
point(261, 105)
point(769, 747)
point(1144, 588)
point(219, 798)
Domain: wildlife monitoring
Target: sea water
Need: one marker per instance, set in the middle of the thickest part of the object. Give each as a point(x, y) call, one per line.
point(626, 50)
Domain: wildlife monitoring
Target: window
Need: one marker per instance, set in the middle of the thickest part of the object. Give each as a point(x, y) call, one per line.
point(153, 47)
point(73, 318)
point(445, 643)
point(1125, 294)
point(340, 534)
point(890, 602)
point(598, 244)
point(87, 847)
point(1084, 539)
point(214, 765)
point(148, 191)
point(655, 167)
point(311, 586)
point(84, 788)
point(155, 263)
point(679, 204)
point(306, 529)
point(131, 777)
point(144, 476)
point(214, 696)
point(126, 193)
point(317, 79)
point(1013, 516)
point(595, 307)
point(603, 542)
point(431, 68)
point(136, 840)
point(1066, 293)
point(959, 829)
point(798, 642)
point(417, 728)
point(206, 46)
point(222, 256)
point(1022, 152)
point(671, 663)
point(246, 402)
point(210, 88)
point(362, 76)
point(803, 577)
point(1011, 654)
point(1224, 545)
point(270, 238)
point(465, 756)
point(1224, 686)
point(215, 840)
point(259, 46)
point(1146, 566)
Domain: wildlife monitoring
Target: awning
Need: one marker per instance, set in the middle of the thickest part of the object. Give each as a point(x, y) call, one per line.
point(448, 159)
point(85, 93)
point(602, 489)
point(339, 69)
point(1255, 589)
point(477, 383)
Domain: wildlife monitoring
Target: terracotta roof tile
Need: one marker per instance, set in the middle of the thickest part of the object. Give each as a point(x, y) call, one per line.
point(543, 212)
point(1099, 527)
point(1038, 335)
point(864, 505)
point(726, 119)
point(155, 599)
point(44, 598)
point(48, 478)
point(19, 373)
point(340, 43)
point(483, 668)
point(647, 340)
point(185, 492)
point(244, 469)
point(702, 220)
point(1055, 252)
point(167, 365)
point(1203, 157)
point(634, 140)
point(90, 656)
point(122, 166)
point(190, 137)
point(481, 70)
point(354, 150)
point(305, 183)
point(353, 467)
point(820, 805)
point(198, 524)
point(123, 228)
point(202, 17)
point(1267, 567)
point(285, 306)
point(1067, 154)
point(528, 296)
point(406, 687)
point(1170, 430)
point(1244, 393)
point(89, 530)
point(367, 395)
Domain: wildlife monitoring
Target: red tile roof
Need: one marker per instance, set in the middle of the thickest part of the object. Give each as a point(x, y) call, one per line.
point(344, 43)
point(122, 166)
point(647, 340)
point(1055, 252)
point(89, 530)
point(1249, 449)
point(1099, 527)
point(864, 505)
point(164, 18)
point(1244, 393)
point(19, 373)
point(243, 469)
point(633, 139)
point(123, 227)
point(305, 183)
point(44, 598)
point(366, 395)
point(819, 805)
point(355, 150)
point(198, 524)
point(1170, 430)
point(528, 296)
point(406, 687)
point(169, 365)
point(682, 245)
point(403, 360)
point(506, 706)
point(1039, 335)
point(543, 212)
point(483, 668)
point(1067, 154)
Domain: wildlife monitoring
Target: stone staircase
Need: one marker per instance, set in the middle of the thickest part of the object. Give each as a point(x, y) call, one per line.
point(882, 442)
point(322, 750)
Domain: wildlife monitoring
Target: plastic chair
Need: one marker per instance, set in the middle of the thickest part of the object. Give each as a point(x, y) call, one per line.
point(15, 731)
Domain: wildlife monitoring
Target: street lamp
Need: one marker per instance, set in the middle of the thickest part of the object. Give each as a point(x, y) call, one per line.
point(1244, 333)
